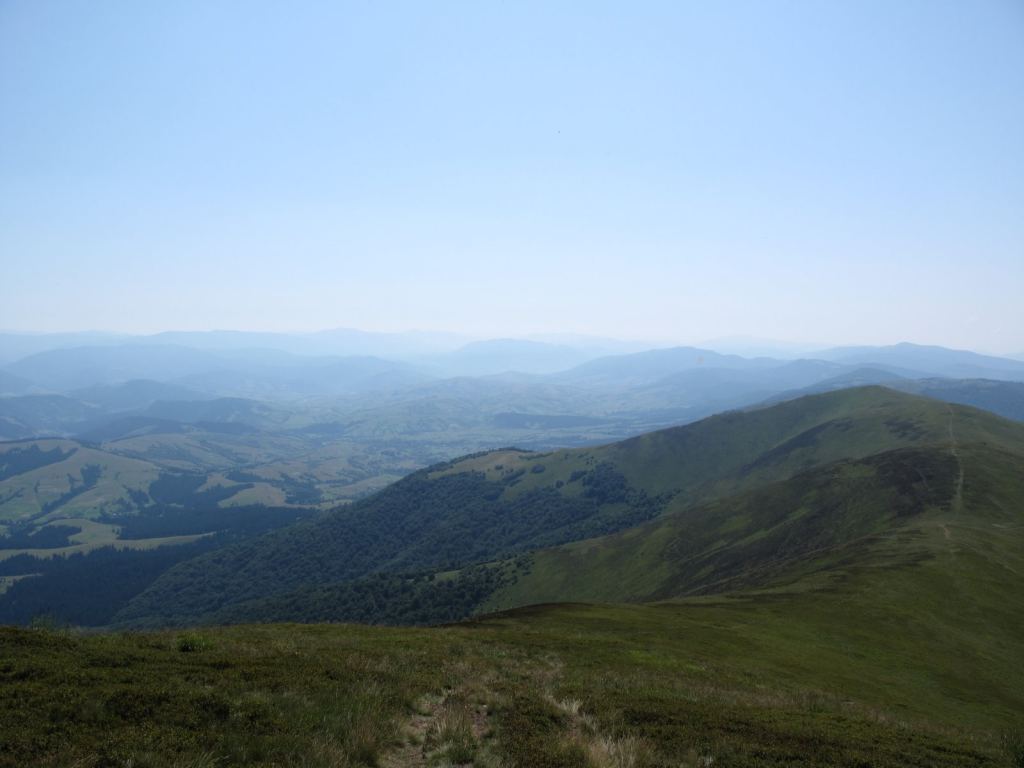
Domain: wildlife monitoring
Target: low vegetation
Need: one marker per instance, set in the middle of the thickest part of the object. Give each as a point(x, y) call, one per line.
point(593, 687)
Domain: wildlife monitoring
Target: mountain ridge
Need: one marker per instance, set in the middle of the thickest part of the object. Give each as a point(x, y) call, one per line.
point(568, 495)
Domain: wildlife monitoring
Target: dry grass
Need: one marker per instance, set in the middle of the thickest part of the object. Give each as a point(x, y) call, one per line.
point(609, 752)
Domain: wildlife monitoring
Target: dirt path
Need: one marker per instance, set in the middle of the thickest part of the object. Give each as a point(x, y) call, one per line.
point(958, 496)
point(449, 726)
point(411, 753)
point(455, 728)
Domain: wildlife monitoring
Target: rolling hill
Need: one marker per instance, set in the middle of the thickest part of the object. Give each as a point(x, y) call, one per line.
point(81, 367)
point(506, 503)
point(11, 385)
point(890, 510)
point(43, 415)
point(520, 355)
point(652, 365)
point(129, 371)
point(46, 479)
point(1004, 398)
point(51, 479)
point(933, 360)
point(833, 580)
point(134, 394)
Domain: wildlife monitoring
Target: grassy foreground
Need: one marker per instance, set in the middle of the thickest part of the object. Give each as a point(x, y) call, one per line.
point(668, 685)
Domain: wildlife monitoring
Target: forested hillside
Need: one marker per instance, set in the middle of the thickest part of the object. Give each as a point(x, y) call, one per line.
point(873, 443)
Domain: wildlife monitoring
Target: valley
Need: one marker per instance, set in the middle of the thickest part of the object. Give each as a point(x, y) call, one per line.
point(829, 576)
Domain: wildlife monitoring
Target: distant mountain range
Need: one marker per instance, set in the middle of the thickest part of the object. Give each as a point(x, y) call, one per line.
point(320, 430)
point(337, 342)
point(110, 392)
point(937, 361)
point(276, 373)
point(445, 355)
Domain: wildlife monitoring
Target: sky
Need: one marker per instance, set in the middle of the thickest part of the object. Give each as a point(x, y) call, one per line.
point(820, 172)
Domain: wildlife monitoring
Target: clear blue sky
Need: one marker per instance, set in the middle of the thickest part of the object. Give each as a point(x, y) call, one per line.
point(814, 171)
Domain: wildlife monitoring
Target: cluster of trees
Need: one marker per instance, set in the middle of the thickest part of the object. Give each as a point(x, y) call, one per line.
point(49, 537)
point(161, 521)
point(296, 490)
point(380, 599)
point(182, 488)
point(420, 523)
point(87, 589)
point(16, 461)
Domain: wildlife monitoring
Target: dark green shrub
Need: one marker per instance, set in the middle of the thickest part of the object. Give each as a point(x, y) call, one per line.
point(192, 642)
point(1013, 746)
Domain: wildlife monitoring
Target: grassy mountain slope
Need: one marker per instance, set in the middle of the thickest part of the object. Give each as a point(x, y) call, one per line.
point(855, 610)
point(803, 526)
point(910, 561)
point(43, 479)
point(127, 453)
point(777, 533)
point(727, 684)
point(501, 503)
point(896, 578)
point(743, 449)
point(813, 530)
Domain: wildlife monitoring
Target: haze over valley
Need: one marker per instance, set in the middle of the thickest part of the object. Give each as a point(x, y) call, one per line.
point(147, 485)
point(512, 385)
point(283, 428)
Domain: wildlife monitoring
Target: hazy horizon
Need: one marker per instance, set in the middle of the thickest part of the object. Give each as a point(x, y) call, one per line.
point(739, 344)
point(828, 174)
